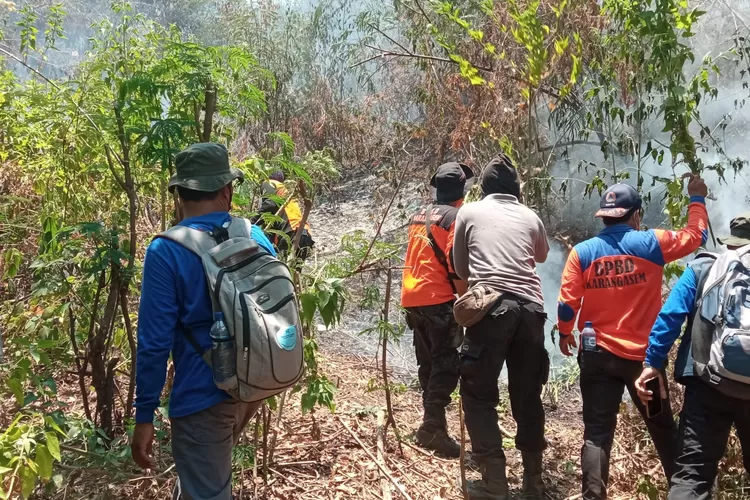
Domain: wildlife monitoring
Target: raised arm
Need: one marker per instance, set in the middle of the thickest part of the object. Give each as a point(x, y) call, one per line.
point(678, 244)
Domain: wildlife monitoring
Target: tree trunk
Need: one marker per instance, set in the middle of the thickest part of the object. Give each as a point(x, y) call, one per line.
point(97, 356)
point(133, 348)
point(208, 119)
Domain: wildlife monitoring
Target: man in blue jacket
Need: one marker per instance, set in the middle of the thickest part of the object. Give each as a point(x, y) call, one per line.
point(707, 413)
point(205, 422)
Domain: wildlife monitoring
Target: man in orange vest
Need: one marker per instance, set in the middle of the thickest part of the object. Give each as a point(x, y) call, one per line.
point(291, 216)
point(428, 291)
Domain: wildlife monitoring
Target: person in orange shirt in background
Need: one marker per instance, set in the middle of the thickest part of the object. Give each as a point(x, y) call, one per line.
point(428, 291)
point(614, 281)
point(291, 216)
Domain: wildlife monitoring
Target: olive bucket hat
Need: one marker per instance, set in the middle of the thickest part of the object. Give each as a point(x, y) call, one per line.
point(739, 232)
point(204, 167)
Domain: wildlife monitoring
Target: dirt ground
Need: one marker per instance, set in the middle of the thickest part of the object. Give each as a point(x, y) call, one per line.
point(334, 455)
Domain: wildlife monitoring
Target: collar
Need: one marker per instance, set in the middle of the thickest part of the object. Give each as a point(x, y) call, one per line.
point(212, 218)
point(616, 229)
point(508, 198)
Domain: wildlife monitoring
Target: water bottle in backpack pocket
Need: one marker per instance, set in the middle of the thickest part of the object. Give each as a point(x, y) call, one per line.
point(223, 355)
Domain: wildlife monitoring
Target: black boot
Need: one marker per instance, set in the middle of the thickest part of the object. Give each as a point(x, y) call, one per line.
point(433, 434)
point(494, 483)
point(437, 440)
point(533, 485)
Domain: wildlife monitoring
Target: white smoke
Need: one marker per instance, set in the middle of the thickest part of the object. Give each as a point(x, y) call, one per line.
point(730, 196)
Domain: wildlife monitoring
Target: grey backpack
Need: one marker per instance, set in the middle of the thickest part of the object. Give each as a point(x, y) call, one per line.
point(721, 344)
point(255, 292)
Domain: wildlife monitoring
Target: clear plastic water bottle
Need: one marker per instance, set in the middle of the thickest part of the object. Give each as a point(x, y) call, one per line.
point(223, 354)
point(588, 337)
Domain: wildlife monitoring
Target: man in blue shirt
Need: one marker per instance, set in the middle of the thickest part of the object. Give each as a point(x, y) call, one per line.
point(206, 423)
point(707, 414)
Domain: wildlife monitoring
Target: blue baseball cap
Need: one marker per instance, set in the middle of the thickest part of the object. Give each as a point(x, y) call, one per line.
point(618, 201)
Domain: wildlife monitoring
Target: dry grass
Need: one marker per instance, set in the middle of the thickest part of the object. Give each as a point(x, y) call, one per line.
point(318, 458)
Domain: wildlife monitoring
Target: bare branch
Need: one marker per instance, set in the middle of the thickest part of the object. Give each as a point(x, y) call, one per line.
point(421, 9)
point(362, 264)
point(571, 143)
point(389, 38)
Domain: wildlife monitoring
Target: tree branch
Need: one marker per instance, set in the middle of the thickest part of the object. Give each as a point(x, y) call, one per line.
point(382, 467)
point(389, 38)
point(361, 265)
point(133, 349)
point(80, 370)
point(571, 143)
point(412, 55)
point(424, 13)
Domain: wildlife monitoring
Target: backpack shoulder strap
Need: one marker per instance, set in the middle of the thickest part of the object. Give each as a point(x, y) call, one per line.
point(205, 354)
point(239, 228)
point(198, 242)
point(701, 266)
point(436, 248)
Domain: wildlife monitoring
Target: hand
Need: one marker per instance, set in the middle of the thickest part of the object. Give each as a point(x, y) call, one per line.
point(566, 342)
point(696, 185)
point(648, 374)
point(142, 445)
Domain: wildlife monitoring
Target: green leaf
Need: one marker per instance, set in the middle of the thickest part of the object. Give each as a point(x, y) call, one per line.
point(28, 480)
point(44, 462)
point(53, 444)
point(46, 343)
point(16, 387)
point(323, 297)
point(309, 303)
point(34, 353)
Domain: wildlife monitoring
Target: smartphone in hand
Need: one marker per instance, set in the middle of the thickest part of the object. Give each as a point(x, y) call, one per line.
point(655, 406)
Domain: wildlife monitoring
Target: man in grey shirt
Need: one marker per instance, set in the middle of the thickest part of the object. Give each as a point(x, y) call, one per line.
point(498, 242)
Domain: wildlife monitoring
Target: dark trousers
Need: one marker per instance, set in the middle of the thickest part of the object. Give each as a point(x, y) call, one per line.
point(603, 378)
point(202, 446)
point(513, 331)
point(706, 419)
point(436, 340)
point(306, 244)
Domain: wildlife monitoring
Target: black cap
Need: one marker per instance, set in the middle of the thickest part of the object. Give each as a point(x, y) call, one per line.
point(619, 200)
point(739, 232)
point(449, 181)
point(500, 177)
